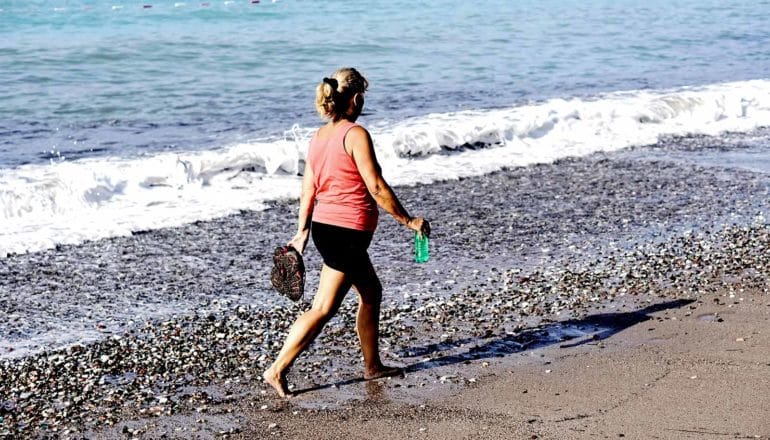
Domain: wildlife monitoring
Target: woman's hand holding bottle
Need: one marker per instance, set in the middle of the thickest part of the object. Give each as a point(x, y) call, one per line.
point(420, 225)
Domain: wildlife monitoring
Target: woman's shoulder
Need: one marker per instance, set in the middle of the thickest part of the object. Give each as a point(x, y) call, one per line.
point(357, 131)
point(357, 139)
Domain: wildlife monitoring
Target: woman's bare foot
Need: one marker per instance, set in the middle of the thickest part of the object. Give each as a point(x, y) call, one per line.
point(277, 381)
point(382, 371)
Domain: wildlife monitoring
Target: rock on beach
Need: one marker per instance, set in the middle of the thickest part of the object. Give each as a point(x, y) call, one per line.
point(512, 253)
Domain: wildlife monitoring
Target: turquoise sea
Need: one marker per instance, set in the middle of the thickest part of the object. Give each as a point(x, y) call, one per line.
point(122, 115)
point(93, 78)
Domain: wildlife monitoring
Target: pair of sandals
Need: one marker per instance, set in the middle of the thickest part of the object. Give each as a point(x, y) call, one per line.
point(288, 273)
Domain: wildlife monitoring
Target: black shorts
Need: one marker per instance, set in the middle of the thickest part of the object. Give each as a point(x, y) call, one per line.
point(343, 249)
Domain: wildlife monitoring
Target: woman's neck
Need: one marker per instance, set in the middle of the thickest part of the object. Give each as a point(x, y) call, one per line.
point(342, 120)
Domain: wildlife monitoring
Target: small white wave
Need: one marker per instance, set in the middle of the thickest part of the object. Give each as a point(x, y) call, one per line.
point(70, 202)
point(544, 132)
point(73, 201)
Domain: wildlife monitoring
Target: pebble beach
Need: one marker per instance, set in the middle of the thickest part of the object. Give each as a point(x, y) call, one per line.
point(597, 178)
point(521, 259)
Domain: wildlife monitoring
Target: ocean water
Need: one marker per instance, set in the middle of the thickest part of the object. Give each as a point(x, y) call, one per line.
point(118, 116)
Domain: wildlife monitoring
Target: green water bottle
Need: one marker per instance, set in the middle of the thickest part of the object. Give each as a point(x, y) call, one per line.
point(420, 247)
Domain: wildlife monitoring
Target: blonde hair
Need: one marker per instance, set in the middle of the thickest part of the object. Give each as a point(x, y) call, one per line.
point(333, 95)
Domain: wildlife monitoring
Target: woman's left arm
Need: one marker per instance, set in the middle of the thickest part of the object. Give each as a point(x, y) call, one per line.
point(359, 144)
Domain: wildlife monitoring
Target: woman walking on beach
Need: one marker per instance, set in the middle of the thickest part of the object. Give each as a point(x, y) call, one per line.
point(341, 189)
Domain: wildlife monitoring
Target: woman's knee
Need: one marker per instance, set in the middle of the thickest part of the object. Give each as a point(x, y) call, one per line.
point(323, 312)
point(371, 293)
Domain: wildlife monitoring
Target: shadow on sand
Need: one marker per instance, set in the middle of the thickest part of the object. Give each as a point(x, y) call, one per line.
point(585, 330)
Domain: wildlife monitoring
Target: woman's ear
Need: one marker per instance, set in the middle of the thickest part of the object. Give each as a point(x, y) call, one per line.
point(358, 100)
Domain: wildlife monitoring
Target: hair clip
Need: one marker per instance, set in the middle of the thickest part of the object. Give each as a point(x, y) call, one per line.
point(332, 82)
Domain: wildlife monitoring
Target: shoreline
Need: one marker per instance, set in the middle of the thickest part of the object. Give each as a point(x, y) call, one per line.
point(489, 291)
point(534, 218)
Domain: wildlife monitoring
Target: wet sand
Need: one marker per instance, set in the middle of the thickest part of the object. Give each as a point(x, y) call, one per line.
point(524, 261)
point(695, 370)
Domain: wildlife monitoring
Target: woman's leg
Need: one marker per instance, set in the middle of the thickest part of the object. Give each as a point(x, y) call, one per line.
point(332, 288)
point(369, 291)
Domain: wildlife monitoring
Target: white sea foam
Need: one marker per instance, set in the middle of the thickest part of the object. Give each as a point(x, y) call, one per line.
point(74, 201)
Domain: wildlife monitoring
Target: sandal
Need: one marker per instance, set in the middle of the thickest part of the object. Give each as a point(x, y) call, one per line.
point(288, 274)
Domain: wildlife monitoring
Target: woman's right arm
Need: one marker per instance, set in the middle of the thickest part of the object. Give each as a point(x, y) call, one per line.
point(359, 144)
point(306, 201)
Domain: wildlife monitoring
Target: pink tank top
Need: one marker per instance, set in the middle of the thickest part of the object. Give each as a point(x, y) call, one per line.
point(341, 196)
